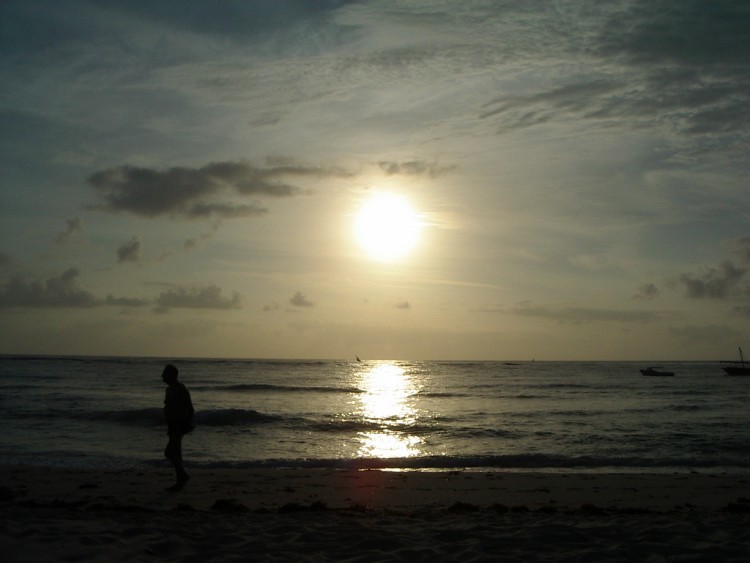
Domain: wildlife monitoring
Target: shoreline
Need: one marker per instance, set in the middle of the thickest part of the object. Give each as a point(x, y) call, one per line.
point(370, 515)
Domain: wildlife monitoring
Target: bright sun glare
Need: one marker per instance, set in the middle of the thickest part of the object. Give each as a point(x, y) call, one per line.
point(387, 227)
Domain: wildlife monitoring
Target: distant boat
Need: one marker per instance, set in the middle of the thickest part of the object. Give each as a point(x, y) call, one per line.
point(358, 358)
point(741, 369)
point(657, 372)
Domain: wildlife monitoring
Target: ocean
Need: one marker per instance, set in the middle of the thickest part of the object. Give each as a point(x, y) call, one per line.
point(538, 416)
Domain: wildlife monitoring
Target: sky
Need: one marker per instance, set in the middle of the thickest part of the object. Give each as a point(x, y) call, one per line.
point(186, 178)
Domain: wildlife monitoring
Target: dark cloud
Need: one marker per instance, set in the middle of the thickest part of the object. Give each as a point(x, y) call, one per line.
point(74, 227)
point(130, 251)
point(196, 298)
point(60, 291)
point(43, 25)
point(413, 168)
point(195, 192)
point(696, 59)
point(690, 32)
point(299, 300)
point(239, 20)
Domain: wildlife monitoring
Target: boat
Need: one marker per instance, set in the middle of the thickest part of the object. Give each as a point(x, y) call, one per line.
point(657, 372)
point(741, 369)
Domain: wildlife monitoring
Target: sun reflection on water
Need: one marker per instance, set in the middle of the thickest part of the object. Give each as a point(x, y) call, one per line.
point(387, 401)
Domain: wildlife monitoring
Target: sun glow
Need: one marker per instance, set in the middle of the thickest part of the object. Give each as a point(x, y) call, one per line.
point(387, 227)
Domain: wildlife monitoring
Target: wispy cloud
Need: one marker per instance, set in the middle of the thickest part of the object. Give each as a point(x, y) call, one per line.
point(130, 251)
point(647, 291)
point(74, 227)
point(584, 315)
point(700, 334)
point(125, 301)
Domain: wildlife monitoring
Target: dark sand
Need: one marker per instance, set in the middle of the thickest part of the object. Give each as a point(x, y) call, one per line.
point(337, 515)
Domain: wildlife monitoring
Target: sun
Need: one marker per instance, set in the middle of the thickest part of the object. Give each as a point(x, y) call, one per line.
point(387, 227)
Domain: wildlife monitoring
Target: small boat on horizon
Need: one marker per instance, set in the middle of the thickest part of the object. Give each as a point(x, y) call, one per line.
point(656, 372)
point(741, 369)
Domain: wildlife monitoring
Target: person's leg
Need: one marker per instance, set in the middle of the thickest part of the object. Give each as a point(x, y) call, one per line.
point(173, 453)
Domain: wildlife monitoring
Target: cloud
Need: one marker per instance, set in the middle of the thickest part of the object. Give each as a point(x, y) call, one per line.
point(299, 300)
point(741, 248)
point(724, 280)
point(692, 33)
point(60, 291)
point(413, 168)
point(584, 315)
point(195, 192)
point(125, 301)
point(241, 21)
point(75, 226)
point(693, 334)
point(727, 281)
point(714, 282)
point(647, 291)
point(193, 243)
point(527, 110)
point(680, 66)
point(196, 298)
point(696, 59)
point(130, 251)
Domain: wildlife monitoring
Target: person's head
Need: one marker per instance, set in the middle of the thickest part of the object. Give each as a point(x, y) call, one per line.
point(169, 375)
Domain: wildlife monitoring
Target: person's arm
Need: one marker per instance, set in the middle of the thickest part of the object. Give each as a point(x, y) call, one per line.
point(190, 409)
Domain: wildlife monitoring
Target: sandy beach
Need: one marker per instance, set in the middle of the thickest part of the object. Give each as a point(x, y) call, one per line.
point(344, 515)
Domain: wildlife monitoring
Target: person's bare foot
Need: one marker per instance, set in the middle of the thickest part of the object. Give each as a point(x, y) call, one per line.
point(179, 485)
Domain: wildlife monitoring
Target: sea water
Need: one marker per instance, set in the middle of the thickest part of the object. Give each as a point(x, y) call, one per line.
point(591, 416)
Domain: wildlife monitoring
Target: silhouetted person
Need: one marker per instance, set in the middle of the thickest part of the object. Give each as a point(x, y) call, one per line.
point(178, 410)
